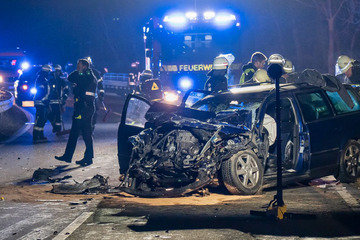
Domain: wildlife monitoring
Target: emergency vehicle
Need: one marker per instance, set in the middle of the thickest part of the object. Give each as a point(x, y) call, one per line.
point(181, 46)
point(12, 63)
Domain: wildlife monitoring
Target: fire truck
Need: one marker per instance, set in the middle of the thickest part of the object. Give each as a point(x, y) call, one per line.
point(181, 46)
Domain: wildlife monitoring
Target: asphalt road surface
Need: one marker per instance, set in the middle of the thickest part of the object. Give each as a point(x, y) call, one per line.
point(322, 209)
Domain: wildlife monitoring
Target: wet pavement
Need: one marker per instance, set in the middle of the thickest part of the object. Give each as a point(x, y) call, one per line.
point(324, 209)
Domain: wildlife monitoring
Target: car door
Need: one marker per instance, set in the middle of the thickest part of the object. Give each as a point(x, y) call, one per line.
point(290, 141)
point(132, 122)
point(322, 130)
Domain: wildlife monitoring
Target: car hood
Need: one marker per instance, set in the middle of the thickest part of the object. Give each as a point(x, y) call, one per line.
point(160, 114)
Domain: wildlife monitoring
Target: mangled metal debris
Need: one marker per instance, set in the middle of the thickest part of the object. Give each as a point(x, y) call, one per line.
point(46, 175)
point(97, 184)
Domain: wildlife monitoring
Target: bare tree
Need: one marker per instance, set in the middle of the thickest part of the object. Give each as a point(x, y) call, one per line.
point(330, 9)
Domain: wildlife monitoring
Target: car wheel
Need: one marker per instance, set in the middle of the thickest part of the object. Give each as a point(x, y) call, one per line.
point(243, 173)
point(349, 168)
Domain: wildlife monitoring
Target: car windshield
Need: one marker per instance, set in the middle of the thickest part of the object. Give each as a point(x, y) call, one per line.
point(236, 109)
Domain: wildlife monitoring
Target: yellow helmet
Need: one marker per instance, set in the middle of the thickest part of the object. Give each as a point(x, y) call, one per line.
point(288, 66)
point(261, 76)
point(343, 64)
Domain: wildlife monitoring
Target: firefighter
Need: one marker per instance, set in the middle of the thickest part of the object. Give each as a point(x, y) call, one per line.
point(100, 92)
point(347, 70)
point(149, 87)
point(59, 91)
point(279, 59)
point(257, 61)
point(145, 75)
point(218, 81)
point(41, 101)
point(84, 85)
point(288, 69)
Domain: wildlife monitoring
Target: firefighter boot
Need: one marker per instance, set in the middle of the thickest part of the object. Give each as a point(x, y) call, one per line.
point(39, 137)
point(85, 162)
point(63, 158)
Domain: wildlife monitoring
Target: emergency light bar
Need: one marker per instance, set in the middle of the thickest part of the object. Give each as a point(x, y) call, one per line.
point(179, 20)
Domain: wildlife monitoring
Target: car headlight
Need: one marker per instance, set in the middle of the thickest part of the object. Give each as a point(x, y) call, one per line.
point(171, 97)
point(1, 79)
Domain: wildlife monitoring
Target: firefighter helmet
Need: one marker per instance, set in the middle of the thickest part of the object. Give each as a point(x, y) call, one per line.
point(276, 58)
point(343, 64)
point(46, 68)
point(261, 76)
point(288, 66)
point(147, 72)
point(220, 63)
point(89, 60)
point(57, 67)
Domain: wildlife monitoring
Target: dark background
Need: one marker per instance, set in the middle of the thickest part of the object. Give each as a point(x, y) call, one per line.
point(110, 31)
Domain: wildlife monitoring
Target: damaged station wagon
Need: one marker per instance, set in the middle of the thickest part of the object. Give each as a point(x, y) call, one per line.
point(167, 151)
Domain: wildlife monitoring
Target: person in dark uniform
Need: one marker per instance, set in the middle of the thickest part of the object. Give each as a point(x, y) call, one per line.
point(218, 81)
point(41, 101)
point(100, 92)
point(257, 61)
point(149, 87)
point(59, 91)
point(145, 75)
point(84, 87)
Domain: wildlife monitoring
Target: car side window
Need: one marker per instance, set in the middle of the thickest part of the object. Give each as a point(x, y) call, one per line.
point(135, 114)
point(340, 106)
point(313, 106)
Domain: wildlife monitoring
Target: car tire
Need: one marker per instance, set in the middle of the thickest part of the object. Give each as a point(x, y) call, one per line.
point(349, 167)
point(243, 173)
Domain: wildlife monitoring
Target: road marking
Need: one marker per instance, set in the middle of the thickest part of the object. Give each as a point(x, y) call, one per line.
point(348, 198)
point(73, 226)
point(30, 221)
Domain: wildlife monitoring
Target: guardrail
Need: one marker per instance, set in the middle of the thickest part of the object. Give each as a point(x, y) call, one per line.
point(6, 100)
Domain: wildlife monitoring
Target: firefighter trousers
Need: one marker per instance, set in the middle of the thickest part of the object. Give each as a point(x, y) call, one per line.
point(55, 117)
point(40, 120)
point(81, 123)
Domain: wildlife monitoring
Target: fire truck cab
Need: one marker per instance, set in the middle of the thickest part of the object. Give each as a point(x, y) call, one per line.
point(181, 46)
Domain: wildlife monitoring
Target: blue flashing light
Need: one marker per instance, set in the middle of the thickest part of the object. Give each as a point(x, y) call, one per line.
point(25, 65)
point(191, 15)
point(176, 20)
point(33, 90)
point(209, 15)
point(224, 18)
point(185, 83)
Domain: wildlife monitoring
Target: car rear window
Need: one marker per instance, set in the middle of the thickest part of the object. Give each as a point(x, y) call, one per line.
point(313, 106)
point(340, 106)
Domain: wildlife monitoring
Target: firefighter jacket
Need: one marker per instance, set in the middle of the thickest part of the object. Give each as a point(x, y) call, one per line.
point(84, 87)
point(217, 81)
point(248, 72)
point(100, 92)
point(152, 89)
point(59, 90)
point(43, 89)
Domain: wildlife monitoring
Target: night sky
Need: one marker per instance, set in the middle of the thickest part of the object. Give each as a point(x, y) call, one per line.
point(111, 31)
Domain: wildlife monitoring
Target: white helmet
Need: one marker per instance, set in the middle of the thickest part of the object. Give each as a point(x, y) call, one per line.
point(343, 64)
point(261, 76)
point(46, 68)
point(276, 58)
point(58, 67)
point(220, 63)
point(288, 66)
point(229, 57)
